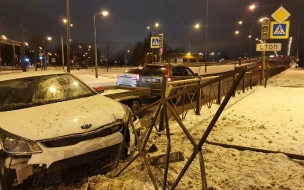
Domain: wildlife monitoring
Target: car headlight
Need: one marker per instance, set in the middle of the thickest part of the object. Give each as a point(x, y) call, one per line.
point(128, 112)
point(18, 146)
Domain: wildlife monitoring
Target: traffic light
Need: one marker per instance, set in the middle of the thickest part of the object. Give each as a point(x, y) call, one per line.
point(161, 40)
point(265, 29)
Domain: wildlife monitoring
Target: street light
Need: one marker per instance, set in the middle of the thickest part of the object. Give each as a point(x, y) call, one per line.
point(68, 46)
point(46, 55)
point(206, 50)
point(156, 25)
point(103, 13)
point(236, 34)
point(196, 26)
point(249, 36)
point(239, 22)
point(251, 7)
point(128, 51)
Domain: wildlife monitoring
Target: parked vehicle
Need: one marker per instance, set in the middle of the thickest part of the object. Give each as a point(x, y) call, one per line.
point(151, 75)
point(130, 96)
point(128, 78)
point(272, 58)
point(56, 128)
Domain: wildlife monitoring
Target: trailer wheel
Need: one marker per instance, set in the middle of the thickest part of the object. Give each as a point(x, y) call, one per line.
point(135, 106)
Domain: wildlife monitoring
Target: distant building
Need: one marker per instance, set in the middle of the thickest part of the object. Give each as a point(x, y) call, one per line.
point(184, 58)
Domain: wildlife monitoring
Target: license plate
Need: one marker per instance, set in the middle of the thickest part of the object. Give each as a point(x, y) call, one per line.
point(152, 80)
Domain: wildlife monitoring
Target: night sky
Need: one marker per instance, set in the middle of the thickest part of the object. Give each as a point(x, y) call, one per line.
point(127, 22)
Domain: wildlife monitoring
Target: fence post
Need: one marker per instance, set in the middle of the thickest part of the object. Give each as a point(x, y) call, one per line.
point(233, 94)
point(163, 102)
point(219, 92)
point(250, 80)
point(198, 98)
point(243, 83)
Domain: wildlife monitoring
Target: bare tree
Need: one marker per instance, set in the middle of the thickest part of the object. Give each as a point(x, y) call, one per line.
point(108, 49)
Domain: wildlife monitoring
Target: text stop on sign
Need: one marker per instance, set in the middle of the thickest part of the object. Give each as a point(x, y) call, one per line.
point(269, 47)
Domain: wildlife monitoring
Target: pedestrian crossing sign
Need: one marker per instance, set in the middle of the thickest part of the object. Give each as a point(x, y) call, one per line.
point(279, 30)
point(154, 42)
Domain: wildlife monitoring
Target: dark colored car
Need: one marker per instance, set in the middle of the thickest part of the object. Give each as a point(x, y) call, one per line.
point(152, 75)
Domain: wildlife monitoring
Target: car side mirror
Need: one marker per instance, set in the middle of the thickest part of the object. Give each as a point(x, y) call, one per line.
point(98, 89)
point(196, 74)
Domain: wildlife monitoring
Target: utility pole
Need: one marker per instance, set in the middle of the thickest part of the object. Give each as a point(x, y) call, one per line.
point(62, 52)
point(0, 57)
point(68, 37)
point(22, 47)
point(298, 41)
point(206, 42)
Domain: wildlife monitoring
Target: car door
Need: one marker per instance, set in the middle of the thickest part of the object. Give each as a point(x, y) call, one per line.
point(182, 73)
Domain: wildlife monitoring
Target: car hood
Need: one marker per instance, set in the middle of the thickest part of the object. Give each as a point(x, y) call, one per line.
point(62, 118)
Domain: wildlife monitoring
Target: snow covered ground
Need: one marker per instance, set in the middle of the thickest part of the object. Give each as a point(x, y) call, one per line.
point(268, 118)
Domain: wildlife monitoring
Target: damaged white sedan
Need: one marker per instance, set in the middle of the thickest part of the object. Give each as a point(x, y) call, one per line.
point(54, 128)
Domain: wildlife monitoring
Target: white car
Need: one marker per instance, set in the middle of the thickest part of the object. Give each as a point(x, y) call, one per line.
point(128, 78)
point(55, 128)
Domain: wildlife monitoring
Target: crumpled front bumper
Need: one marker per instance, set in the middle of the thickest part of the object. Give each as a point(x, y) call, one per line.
point(29, 173)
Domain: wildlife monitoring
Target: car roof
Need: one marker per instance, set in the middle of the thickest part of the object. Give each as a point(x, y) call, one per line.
point(165, 64)
point(10, 76)
point(132, 70)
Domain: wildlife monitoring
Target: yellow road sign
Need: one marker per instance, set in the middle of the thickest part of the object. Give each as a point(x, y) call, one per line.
point(280, 15)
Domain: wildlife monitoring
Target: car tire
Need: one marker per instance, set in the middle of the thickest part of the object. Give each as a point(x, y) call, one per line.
point(135, 106)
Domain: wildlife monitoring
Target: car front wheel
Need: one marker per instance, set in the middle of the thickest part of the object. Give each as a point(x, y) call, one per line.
point(135, 106)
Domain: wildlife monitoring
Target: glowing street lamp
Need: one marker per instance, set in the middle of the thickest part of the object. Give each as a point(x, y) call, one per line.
point(156, 25)
point(196, 26)
point(103, 13)
point(236, 34)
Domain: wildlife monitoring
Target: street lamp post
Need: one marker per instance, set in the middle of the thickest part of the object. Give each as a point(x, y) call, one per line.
point(196, 27)
point(62, 52)
point(236, 34)
point(126, 60)
point(65, 21)
point(152, 50)
point(249, 46)
point(45, 56)
point(206, 38)
point(68, 36)
point(104, 13)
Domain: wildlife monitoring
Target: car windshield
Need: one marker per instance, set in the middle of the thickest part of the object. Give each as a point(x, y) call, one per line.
point(39, 90)
point(153, 71)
